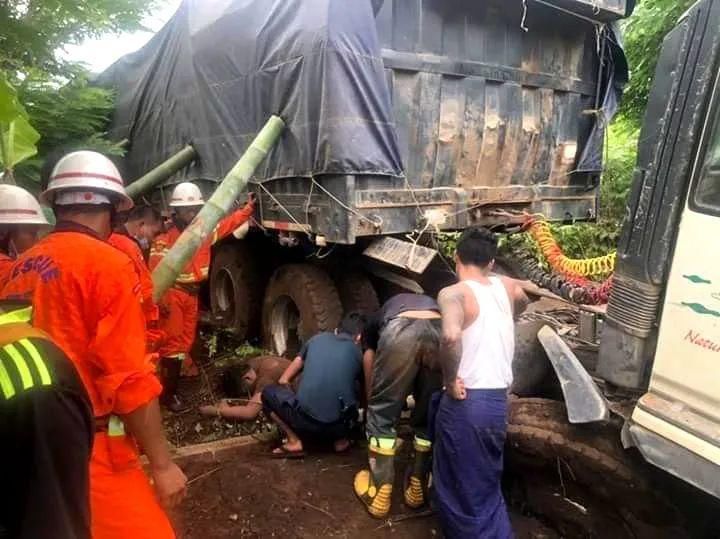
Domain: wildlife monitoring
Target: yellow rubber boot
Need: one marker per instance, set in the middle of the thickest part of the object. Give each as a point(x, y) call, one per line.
point(374, 486)
point(417, 477)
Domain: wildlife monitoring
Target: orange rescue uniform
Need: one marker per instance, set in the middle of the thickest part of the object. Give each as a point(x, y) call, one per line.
point(129, 246)
point(85, 294)
point(6, 263)
point(180, 303)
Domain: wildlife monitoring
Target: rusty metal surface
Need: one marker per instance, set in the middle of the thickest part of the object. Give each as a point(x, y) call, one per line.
point(600, 10)
point(682, 416)
point(478, 102)
point(403, 254)
point(490, 120)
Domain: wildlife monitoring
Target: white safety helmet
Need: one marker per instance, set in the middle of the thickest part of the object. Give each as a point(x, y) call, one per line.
point(86, 177)
point(18, 207)
point(186, 194)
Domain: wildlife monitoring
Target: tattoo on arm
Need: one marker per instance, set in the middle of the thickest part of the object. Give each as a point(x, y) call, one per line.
point(453, 316)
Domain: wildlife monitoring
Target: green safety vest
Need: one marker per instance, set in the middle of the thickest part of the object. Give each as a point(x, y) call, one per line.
point(22, 366)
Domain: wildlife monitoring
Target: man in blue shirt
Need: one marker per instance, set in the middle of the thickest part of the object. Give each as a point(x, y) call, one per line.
point(325, 405)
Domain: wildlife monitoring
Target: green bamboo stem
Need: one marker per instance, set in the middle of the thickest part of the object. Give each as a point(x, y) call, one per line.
point(161, 172)
point(216, 208)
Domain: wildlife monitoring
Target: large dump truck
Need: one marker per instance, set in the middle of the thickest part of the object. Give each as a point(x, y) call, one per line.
point(468, 118)
point(403, 117)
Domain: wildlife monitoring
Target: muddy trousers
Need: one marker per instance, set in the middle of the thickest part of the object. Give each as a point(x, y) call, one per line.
point(407, 352)
point(169, 370)
point(404, 363)
point(123, 504)
point(469, 438)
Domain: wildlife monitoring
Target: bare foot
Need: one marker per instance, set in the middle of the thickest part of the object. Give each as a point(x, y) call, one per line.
point(289, 448)
point(341, 445)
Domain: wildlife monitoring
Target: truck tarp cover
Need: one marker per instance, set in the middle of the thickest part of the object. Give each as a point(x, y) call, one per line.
point(215, 73)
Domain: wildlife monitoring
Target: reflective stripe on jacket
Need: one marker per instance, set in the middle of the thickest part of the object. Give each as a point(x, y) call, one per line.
point(29, 360)
point(22, 367)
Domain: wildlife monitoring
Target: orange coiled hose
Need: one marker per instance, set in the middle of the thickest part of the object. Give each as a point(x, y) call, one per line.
point(587, 267)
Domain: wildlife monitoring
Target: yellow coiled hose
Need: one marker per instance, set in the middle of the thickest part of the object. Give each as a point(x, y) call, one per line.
point(587, 267)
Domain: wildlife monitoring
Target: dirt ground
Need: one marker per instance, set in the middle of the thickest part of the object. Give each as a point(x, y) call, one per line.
point(248, 494)
point(252, 495)
point(190, 427)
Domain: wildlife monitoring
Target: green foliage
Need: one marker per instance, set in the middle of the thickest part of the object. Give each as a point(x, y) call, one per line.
point(34, 30)
point(67, 112)
point(586, 240)
point(644, 32)
point(580, 240)
point(70, 117)
point(445, 244)
point(617, 176)
point(17, 137)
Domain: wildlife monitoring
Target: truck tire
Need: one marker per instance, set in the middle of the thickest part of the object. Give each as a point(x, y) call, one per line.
point(300, 301)
point(579, 477)
point(531, 366)
point(357, 293)
point(236, 289)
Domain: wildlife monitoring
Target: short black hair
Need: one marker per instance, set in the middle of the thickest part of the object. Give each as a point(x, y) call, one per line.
point(233, 383)
point(353, 323)
point(477, 246)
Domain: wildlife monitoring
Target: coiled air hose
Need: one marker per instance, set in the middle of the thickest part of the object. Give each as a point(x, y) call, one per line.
point(586, 267)
point(569, 277)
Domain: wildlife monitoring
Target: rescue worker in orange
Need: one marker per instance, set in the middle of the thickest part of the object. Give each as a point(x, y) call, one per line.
point(179, 306)
point(85, 295)
point(143, 224)
point(21, 218)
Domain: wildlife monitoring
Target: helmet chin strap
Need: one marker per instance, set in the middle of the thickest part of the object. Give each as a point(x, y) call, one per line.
point(12, 250)
point(178, 222)
point(116, 218)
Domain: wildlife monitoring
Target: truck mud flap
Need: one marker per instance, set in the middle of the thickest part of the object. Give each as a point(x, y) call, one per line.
point(403, 254)
point(585, 403)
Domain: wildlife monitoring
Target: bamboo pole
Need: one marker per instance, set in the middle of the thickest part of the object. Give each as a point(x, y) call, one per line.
point(161, 172)
point(215, 209)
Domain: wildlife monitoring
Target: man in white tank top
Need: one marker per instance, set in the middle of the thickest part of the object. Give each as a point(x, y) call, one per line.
point(471, 418)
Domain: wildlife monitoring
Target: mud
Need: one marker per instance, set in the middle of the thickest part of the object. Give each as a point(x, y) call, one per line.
point(250, 495)
point(560, 481)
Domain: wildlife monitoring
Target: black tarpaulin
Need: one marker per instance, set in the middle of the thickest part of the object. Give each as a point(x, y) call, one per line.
point(615, 76)
point(215, 73)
